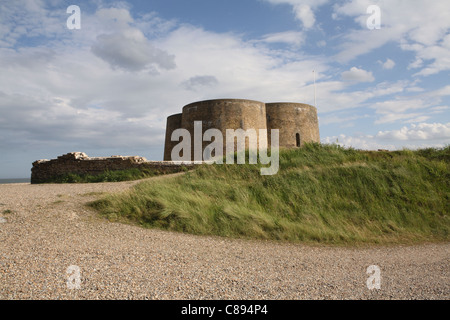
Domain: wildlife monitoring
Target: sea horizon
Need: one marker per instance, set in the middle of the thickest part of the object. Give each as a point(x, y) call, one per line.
point(15, 180)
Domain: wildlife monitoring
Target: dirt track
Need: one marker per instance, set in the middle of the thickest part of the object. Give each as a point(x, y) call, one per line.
point(44, 229)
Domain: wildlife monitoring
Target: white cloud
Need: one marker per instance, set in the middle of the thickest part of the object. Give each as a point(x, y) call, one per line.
point(116, 18)
point(417, 25)
point(421, 131)
point(334, 95)
point(402, 117)
point(440, 57)
point(303, 9)
point(28, 18)
point(199, 82)
point(55, 121)
point(388, 64)
point(418, 63)
point(130, 50)
point(342, 120)
point(439, 109)
point(321, 43)
point(289, 37)
point(364, 142)
point(127, 47)
point(400, 110)
point(305, 14)
point(445, 91)
point(247, 69)
point(363, 41)
point(357, 75)
point(411, 108)
point(415, 89)
point(398, 105)
point(415, 136)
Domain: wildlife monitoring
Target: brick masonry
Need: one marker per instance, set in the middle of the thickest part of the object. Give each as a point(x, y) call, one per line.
point(297, 122)
point(79, 163)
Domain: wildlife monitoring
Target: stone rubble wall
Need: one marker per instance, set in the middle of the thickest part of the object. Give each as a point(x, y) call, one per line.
point(79, 163)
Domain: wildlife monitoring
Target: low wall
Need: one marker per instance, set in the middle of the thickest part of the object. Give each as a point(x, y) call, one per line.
point(79, 163)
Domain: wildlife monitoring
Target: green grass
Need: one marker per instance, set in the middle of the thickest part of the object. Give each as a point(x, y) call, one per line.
point(321, 194)
point(93, 193)
point(106, 176)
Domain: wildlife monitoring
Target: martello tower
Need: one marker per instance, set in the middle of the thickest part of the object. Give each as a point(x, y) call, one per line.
point(297, 122)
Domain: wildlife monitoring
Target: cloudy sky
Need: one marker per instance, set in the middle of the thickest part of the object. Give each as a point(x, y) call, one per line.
point(107, 88)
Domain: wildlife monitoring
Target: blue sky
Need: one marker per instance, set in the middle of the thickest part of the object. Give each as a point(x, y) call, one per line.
point(107, 88)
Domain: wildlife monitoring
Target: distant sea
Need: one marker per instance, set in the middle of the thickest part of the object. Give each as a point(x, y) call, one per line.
point(19, 180)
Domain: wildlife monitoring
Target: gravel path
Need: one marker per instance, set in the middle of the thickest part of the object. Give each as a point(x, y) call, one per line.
point(44, 229)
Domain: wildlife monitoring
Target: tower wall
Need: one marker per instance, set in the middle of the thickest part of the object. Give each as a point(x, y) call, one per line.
point(223, 114)
point(298, 123)
point(173, 123)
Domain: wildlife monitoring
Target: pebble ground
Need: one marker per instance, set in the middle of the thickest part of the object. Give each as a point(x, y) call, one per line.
point(45, 229)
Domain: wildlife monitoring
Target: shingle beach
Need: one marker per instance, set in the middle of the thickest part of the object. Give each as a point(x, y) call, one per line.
point(45, 229)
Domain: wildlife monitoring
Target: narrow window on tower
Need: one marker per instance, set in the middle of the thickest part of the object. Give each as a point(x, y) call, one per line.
point(297, 137)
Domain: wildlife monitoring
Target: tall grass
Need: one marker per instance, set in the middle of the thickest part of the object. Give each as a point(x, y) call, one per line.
point(322, 193)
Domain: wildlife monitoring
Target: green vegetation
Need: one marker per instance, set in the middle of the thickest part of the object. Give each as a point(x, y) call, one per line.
point(107, 176)
point(321, 194)
point(93, 193)
point(7, 211)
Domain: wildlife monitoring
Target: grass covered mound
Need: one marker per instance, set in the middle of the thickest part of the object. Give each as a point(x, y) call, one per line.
point(321, 193)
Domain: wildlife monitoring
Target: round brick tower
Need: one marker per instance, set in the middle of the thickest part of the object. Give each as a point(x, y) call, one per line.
point(298, 123)
point(223, 114)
